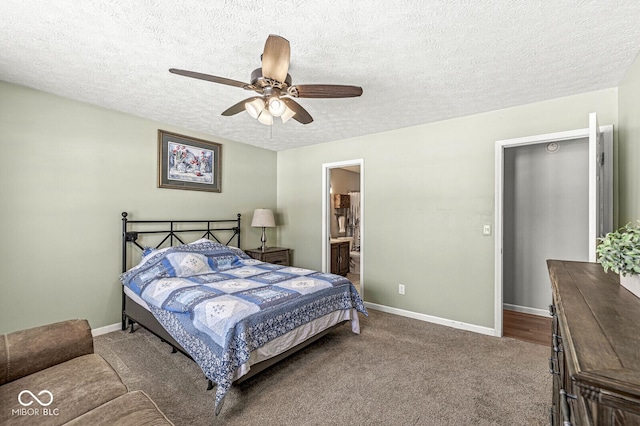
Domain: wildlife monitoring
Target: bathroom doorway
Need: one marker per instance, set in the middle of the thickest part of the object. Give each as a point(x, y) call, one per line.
point(343, 220)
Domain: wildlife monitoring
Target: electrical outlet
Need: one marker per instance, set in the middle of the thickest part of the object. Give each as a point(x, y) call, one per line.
point(400, 288)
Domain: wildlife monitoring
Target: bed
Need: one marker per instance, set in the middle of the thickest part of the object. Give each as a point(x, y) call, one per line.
point(232, 314)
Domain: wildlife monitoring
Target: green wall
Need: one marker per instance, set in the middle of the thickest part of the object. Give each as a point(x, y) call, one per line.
point(428, 190)
point(629, 144)
point(69, 169)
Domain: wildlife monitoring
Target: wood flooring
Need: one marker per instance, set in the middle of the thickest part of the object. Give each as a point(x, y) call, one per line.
point(527, 327)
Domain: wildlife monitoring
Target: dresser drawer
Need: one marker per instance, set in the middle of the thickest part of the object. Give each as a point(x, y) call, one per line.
point(279, 258)
point(275, 255)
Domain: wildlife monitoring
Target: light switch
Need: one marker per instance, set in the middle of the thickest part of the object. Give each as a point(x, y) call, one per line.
point(486, 229)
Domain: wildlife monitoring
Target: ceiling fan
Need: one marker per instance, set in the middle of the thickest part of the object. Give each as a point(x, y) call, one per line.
point(273, 84)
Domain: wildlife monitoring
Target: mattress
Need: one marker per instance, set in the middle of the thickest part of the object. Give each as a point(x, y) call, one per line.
point(286, 341)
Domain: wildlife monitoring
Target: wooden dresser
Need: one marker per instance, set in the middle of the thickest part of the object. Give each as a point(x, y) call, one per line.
point(595, 354)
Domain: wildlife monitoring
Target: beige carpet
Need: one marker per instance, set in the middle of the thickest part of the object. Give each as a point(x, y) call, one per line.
point(398, 371)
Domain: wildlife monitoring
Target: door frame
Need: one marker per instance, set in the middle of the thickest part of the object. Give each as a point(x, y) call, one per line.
point(326, 214)
point(501, 145)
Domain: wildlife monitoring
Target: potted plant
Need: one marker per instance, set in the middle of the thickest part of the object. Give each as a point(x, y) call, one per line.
point(620, 252)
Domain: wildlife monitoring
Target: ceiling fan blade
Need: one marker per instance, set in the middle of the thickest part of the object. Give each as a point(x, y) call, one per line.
point(301, 116)
point(325, 91)
point(208, 77)
point(275, 58)
point(239, 107)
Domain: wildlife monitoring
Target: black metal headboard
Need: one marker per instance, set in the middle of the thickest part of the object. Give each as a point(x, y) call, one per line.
point(171, 230)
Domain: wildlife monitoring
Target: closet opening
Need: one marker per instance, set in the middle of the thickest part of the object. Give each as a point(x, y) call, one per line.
point(553, 200)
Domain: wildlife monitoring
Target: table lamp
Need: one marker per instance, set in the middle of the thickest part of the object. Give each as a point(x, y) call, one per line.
point(263, 218)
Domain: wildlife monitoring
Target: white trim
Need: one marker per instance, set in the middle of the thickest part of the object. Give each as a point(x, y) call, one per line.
point(326, 167)
point(607, 133)
point(498, 241)
point(499, 194)
point(546, 138)
point(499, 204)
point(106, 329)
point(593, 185)
point(429, 318)
point(526, 310)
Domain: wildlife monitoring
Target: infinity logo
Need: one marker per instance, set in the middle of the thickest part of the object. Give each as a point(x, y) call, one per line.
point(26, 404)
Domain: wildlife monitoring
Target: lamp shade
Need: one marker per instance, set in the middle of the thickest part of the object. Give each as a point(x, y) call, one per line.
point(265, 117)
point(287, 114)
point(263, 218)
point(254, 108)
point(276, 106)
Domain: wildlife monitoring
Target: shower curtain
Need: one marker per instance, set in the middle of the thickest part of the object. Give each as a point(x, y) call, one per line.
point(354, 219)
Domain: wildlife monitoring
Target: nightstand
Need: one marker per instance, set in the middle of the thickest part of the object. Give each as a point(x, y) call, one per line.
point(276, 255)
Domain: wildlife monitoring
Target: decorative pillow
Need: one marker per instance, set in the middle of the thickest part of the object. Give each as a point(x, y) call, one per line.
point(147, 251)
point(239, 253)
point(223, 261)
point(186, 264)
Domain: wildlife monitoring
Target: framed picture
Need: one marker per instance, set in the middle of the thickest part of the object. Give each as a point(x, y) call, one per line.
point(188, 163)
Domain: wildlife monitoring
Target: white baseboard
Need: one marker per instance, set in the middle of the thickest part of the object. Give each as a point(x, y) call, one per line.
point(526, 310)
point(106, 329)
point(429, 318)
point(396, 311)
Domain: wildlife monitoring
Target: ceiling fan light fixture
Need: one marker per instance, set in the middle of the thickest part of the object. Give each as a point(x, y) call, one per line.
point(273, 84)
point(265, 117)
point(287, 114)
point(276, 106)
point(254, 108)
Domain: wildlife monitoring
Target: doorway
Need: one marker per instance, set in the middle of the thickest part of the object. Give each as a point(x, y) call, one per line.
point(343, 220)
point(546, 213)
point(553, 199)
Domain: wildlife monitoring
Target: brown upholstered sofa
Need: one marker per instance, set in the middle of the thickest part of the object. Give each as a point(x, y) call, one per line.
point(49, 375)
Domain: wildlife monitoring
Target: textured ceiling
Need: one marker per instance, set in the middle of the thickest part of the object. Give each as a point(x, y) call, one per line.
point(417, 61)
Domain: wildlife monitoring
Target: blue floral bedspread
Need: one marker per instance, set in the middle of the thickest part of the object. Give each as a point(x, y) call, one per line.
point(220, 304)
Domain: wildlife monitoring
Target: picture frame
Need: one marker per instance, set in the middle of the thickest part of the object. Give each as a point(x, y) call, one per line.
point(188, 163)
